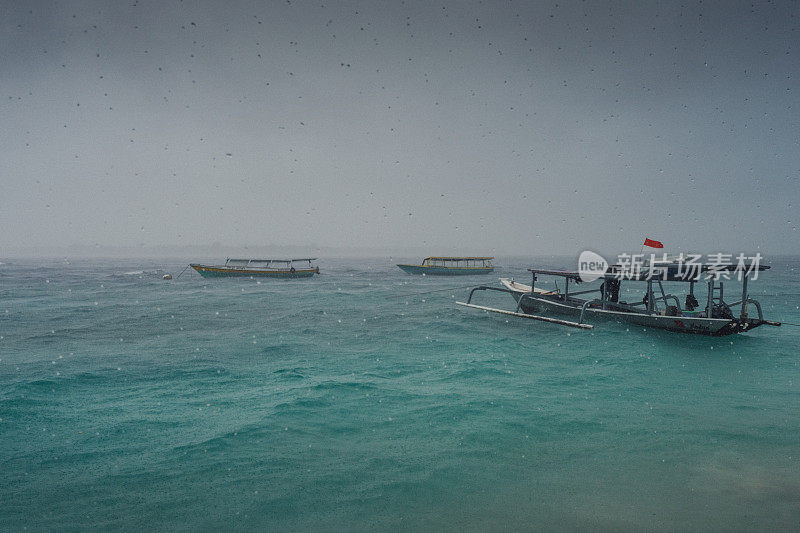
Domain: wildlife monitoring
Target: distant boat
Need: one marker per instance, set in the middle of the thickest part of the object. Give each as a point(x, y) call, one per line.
point(451, 266)
point(262, 268)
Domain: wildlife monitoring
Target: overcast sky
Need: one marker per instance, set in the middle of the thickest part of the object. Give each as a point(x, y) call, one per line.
point(497, 127)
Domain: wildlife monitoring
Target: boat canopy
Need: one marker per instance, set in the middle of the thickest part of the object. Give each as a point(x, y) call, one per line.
point(459, 262)
point(459, 258)
point(244, 262)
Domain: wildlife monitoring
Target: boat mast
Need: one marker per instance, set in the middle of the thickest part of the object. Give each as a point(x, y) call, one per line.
point(710, 297)
point(743, 316)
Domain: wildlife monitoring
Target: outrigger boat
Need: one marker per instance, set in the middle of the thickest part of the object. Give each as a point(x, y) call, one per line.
point(657, 309)
point(264, 268)
point(451, 266)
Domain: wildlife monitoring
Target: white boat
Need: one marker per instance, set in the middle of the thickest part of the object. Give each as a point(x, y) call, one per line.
point(656, 308)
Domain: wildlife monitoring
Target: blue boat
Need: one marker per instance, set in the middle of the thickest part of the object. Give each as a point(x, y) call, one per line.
point(451, 266)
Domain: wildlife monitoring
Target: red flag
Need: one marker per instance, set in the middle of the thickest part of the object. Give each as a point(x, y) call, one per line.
point(653, 244)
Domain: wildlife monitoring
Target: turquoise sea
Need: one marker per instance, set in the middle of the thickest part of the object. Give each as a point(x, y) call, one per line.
point(350, 401)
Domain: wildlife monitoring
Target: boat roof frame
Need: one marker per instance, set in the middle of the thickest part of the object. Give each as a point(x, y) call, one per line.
point(270, 260)
point(445, 258)
point(692, 274)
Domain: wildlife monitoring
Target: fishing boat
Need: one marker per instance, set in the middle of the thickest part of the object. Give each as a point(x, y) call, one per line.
point(451, 266)
point(656, 308)
point(263, 268)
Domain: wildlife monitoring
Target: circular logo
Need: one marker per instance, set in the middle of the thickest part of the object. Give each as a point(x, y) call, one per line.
point(591, 266)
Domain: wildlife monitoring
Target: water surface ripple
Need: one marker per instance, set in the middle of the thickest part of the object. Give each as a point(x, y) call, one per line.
point(128, 402)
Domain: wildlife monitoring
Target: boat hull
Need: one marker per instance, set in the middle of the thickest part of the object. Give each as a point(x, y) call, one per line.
point(445, 271)
point(211, 271)
point(715, 327)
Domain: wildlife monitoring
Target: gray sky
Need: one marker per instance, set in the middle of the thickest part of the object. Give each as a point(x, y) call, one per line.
point(495, 127)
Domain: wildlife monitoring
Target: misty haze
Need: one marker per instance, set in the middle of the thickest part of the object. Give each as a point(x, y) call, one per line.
point(405, 265)
point(492, 127)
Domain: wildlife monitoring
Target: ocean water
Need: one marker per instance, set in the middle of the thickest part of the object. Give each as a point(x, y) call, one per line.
point(362, 400)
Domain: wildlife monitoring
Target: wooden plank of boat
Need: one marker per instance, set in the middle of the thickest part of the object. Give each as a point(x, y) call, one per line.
point(532, 317)
point(224, 271)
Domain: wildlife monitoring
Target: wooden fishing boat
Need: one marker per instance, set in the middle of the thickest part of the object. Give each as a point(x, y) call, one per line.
point(451, 266)
point(656, 309)
point(262, 268)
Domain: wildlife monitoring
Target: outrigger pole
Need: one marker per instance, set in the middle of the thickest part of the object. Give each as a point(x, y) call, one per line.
point(532, 317)
point(516, 313)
